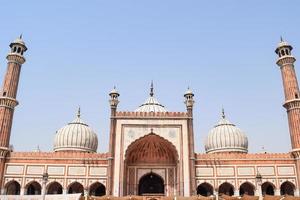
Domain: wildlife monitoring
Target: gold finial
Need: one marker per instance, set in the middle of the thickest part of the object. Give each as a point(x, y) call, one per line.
point(78, 112)
point(151, 89)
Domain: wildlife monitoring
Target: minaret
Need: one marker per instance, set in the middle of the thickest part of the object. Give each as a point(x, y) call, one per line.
point(189, 102)
point(8, 96)
point(112, 138)
point(291, 90)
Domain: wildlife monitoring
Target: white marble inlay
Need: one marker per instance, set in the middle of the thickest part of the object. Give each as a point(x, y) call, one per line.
point(77, 171)
point(14, 169)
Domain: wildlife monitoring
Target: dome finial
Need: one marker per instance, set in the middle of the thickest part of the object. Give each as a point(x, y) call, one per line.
point(151, 89)
point(223, 113)
point(21, 35)
point(281, 39)
point(78, 112)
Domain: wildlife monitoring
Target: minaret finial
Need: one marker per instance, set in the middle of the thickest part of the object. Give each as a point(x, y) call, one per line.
point(281, 39)
point(151, 89)
point(21, 36)
point(223, 113)
point(78, 112)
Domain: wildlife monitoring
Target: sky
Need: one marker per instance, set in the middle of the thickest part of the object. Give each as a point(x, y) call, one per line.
point(78, 50)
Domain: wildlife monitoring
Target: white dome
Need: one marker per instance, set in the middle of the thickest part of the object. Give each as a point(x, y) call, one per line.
point(76, 136)
point(226, 137)
point(151, 104)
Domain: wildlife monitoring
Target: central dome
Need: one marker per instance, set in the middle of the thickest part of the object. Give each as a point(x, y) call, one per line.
point(226, 137)
point(151, 104)
point(76, 136)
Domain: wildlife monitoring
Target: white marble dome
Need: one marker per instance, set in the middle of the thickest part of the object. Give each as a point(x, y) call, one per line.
point(151, 104)
point(226, 137)
point(76, 136)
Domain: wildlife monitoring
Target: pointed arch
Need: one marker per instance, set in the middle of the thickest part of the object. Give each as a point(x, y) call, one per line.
point(54, 188)
point(205, 189)
point(151, 148)
point(12, 188)
point(151, 183)
point(247, 188)
point(33, 188)
point(287, 188)
point(75, 187)
point(226, 188)
point(97, 189)
point(268, 188)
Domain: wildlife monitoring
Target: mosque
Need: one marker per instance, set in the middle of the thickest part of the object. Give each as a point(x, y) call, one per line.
point(151, 150)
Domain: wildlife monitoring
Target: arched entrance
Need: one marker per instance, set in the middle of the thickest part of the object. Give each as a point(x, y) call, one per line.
point(287, 188)
point(226, 188)
point(12, 188)
point(151, 184)
point(54, 188)
point(267, 188)
point(75, 188)
point(205, 189)
point(246, 188)
point(149, 162)
point(97, 189)
point(34, 188)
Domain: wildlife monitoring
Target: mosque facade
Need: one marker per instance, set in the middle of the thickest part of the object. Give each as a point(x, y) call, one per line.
point(151, 150)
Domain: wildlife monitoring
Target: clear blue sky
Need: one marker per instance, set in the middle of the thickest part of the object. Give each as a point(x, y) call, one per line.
point(78, 50)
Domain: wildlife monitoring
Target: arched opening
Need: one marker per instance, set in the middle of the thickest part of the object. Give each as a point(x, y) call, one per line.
point(97, 189)
point(205, 189)
point(287, 188)
point(151, 149)
point(54, 188)
point(12, 188)
point(150, 152)
point(151, 184)
point(267, 188)
point(246, 188)
point(34, 188)
point(75, 188)
point(226, 188)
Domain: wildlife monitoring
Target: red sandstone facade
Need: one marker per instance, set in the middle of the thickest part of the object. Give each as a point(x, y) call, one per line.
point(149, 149)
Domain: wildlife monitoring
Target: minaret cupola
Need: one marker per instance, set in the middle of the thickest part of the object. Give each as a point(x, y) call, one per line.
point(18, 46)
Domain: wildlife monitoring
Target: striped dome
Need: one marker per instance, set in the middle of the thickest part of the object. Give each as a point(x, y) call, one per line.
point(226, 137)
point(76, 136)
point(151, 104)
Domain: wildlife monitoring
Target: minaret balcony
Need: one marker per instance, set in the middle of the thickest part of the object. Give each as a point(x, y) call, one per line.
point(292, 104)
point(8, 102)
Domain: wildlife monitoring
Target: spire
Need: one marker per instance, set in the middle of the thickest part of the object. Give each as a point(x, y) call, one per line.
point(78, 112)
point(281, 39)
point(223, 113)
point(151, 90)
point(21, 36)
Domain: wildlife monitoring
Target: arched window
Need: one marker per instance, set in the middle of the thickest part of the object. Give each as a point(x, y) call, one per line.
point(75, 188)
point(97, 189)
point(286, 51)
point(205, 189)
point(54, 188)
point(151, 184)
point(282, 52)
point(267, 188)
point(15, 49)
point(226, 188)
point(287, 188)
point(34, 188)
point(19, 50)
point(12, 188)
point(246, 188)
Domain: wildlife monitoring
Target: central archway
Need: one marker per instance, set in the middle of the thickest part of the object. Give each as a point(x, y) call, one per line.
point(151, 184)
point(151, 164)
